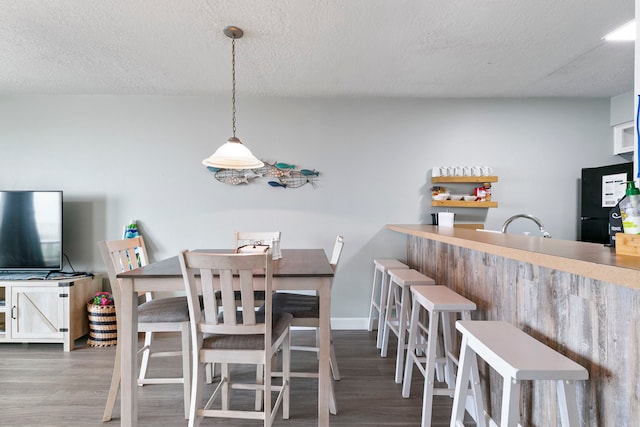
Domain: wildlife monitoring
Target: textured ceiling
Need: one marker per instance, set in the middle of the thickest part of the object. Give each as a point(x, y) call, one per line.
point(310, 48)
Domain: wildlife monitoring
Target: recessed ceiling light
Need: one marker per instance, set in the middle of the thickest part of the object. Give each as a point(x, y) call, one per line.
point(627, 32)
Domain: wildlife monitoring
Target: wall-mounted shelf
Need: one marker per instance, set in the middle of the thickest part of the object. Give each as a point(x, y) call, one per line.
point(463, 204)
point(463, 180)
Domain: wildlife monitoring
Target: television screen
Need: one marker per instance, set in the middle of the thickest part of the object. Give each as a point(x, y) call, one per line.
point(31, 230)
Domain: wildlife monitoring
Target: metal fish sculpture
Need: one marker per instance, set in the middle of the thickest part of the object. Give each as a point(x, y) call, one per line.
point(231, 177)
point(252, 175)
point(235, 180)
point(285, 174)
point(277, 184)
point(284, 166)
point(277, 172)
point(296, 180)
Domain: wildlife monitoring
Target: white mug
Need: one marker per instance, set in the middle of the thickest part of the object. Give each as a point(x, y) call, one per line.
point(436, 171)
point(458, 171)
point(467, 171)
point(476, 170)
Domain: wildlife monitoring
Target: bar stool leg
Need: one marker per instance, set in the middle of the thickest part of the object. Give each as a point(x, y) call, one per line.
point(402, 331)
point(375, 300)
point(567, 402)
point(467, 375)
point(427, 395)
point(384, 290)
point(390, 302)
point(448, 338)
point(411, 347)
point(510, 402)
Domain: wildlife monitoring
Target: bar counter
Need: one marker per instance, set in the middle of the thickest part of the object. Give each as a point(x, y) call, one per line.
point(580, 299)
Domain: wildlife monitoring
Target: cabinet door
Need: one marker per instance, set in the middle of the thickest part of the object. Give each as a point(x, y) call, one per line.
point(3, 312)
point(623, 141)
point(38, 311)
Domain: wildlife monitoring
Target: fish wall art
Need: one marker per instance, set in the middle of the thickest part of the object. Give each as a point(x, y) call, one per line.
point(278, 175)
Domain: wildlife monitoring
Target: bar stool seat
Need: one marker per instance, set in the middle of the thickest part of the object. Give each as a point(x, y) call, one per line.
point(438, 301)
point(379, 293)
point(398, 309)
point(517, 357)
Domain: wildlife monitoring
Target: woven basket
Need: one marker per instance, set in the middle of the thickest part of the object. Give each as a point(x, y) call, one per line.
point(103, 328)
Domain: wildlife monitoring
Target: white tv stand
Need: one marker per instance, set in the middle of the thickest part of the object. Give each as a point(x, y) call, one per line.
point(46, 311)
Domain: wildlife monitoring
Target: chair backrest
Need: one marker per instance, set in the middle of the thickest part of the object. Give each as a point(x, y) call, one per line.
point(337, 251)
point(255, 237)
point(120, 256)
point(227, 273)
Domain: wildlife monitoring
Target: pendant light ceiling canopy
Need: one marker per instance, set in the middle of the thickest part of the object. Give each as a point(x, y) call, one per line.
point(233, 154)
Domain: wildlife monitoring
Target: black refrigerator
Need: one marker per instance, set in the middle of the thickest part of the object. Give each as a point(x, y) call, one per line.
point(596, 196)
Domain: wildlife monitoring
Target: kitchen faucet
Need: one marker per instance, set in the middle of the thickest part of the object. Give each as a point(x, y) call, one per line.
point(544, 232)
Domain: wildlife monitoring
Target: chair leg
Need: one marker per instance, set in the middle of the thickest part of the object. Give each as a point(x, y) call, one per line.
point(260, 381)
point(210, 372)
point(333, 403)
point(268, 408)
point(196, 391)
point(186, 366)
point(333, 362)
point(226, 395)
point(146, 354)
point(286, 375)
point(114, 388)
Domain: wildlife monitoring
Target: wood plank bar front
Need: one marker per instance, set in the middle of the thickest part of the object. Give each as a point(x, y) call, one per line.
point(581, 299)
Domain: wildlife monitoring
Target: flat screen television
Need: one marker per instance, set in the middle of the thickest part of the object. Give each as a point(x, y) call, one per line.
point(31, 231)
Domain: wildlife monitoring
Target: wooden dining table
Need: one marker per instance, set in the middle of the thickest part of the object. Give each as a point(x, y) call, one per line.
point(297, 270)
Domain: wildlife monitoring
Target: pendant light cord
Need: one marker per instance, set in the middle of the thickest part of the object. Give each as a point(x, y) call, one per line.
point(233, 82)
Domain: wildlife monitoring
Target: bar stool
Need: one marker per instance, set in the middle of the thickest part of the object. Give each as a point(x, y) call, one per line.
point(379, 292)
point(438, 301)
point(397, 310)
point(516, 356)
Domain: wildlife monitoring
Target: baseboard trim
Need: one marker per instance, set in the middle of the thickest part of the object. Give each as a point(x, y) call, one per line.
point(345, 324)
point(350, 323)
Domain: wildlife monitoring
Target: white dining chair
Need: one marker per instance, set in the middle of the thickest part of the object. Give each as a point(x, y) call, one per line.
point(154, 315)
point(227, 335)
point(244, 241)
point(306, 313)
point(250, 242)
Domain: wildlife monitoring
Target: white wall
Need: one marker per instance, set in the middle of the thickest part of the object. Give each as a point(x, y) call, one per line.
point(118, 158)
point(622, 108)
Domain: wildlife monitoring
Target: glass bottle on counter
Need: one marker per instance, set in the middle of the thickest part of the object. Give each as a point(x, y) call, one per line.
point(630, 209)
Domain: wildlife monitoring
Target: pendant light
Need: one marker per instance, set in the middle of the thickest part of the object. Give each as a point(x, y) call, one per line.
point(233, 154)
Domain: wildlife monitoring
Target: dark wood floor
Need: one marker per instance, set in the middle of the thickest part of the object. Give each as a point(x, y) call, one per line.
point(40, 385)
